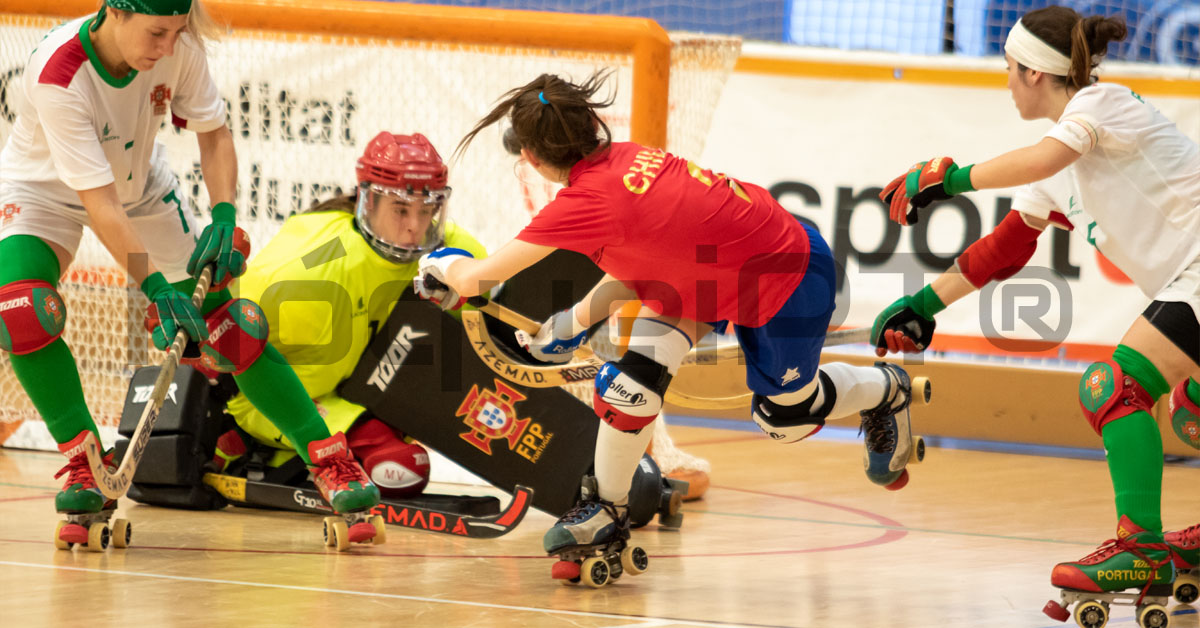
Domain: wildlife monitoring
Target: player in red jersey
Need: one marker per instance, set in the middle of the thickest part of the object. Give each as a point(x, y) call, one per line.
point(701, 251)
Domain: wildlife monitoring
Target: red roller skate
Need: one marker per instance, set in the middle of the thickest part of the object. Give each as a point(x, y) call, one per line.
point(1133, 569)
point(87, 511)
point(348, 490)
point(1185, 550)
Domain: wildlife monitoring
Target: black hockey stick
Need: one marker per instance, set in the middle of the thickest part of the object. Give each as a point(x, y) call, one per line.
point(407, 515)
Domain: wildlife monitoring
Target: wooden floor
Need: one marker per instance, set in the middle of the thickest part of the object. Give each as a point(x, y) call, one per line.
point(788, 535)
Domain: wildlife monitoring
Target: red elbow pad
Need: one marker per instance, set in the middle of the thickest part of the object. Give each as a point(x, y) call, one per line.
point(1001, 253)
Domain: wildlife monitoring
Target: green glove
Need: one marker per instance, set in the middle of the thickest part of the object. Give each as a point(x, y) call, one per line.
point(907, 325)
point(216, 246)
point(170, 311)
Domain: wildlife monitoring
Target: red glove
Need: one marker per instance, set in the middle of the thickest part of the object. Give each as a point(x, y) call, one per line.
point(925, 182)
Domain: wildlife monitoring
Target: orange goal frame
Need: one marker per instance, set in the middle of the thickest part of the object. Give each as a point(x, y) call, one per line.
point(641, 38)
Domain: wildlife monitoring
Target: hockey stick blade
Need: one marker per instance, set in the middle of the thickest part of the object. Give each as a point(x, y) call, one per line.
point(584, 368)
point(245, 492)
point(115, 484)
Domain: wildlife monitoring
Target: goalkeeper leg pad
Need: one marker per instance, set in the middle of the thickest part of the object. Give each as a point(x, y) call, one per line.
point(32, 315)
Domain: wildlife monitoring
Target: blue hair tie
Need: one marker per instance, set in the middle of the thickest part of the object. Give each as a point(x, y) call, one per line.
point(542, 97)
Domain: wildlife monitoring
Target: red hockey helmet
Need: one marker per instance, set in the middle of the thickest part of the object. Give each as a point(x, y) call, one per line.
point(402, 161)
point(402, 194)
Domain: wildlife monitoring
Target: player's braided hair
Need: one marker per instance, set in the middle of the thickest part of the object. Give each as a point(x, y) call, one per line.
point(1083, 39)
point(553, 118)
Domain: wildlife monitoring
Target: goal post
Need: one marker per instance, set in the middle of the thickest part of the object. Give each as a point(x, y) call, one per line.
point(641, 38)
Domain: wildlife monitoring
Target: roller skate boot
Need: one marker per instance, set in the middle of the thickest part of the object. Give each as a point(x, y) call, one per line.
point(1185, 551)
point(592, 544)
point(87, 510)
point(348, 490)
point(890, 445)
point(1133, 569)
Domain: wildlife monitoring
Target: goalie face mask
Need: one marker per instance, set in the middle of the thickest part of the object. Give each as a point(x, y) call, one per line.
point(399, 224)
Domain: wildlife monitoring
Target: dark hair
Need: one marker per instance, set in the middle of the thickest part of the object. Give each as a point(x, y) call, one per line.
point(560, 131)
point(1083, 39)
point(345, 203)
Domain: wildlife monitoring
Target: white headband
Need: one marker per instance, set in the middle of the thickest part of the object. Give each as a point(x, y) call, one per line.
point(1030, 51)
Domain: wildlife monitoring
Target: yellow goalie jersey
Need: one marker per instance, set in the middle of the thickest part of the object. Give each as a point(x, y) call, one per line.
point(324, 291)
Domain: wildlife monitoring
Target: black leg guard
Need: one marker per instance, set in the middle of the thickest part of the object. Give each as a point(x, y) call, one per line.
point(789, 424)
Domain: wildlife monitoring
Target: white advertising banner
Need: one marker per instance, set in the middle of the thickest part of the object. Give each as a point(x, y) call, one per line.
point(826, 146)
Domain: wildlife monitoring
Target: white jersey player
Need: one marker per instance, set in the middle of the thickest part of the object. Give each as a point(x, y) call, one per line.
point(1119, 172)
point(92, 97)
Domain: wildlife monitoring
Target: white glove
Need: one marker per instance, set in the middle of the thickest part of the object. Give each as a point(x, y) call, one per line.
point(430, 282)
point(556, 340)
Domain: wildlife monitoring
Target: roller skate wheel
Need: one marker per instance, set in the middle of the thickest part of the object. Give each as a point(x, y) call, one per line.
point(337, 534)
point(670, 521)
point(380, 530)
point(1091, 614)
point(922, 389)
point(360, 532)
point(594, 572)
point(1152, 616)
point(327, 530)
point(899, 482)
point(1187, 588)
point(565, 570)
point(98, 537)
point(122, 532)
point(917, 452)
point(1055, 611)
point(674, 501)
point(59, 541)
point(634, 560)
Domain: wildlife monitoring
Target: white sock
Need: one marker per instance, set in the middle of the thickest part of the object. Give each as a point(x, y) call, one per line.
point(858, 388)
point(617, 456)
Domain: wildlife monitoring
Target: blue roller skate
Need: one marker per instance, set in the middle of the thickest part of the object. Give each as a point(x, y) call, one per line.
point(890, 445)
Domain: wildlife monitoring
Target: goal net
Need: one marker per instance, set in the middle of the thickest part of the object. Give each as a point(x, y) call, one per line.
point(308, 84)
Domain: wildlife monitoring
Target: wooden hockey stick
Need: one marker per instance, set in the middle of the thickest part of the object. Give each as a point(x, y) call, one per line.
point(115, 484)
point(711, 355)
point(587, 364)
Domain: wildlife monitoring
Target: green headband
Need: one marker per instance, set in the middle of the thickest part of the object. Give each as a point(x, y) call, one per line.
point(152, 7)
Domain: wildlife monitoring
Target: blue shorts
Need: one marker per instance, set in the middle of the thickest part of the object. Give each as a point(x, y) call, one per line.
point(782, 356)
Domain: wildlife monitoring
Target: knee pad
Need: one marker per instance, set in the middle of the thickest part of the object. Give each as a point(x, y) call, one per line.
point(237, 335)
point(629, 392)
point(795, 422)
point(32, 315)
point(1106, 394)
point(399, 467)
point(1185, 415)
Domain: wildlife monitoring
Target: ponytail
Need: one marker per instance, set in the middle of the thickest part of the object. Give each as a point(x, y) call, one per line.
point(1089, 44)
point(554, 119)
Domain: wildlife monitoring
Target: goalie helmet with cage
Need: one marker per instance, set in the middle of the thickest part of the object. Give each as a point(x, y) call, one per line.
point(402, 194)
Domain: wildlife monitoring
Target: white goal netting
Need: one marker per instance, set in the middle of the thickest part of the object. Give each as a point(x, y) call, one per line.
point(301, 108)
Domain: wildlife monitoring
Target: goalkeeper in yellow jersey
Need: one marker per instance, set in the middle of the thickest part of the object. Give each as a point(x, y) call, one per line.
point(330, 278)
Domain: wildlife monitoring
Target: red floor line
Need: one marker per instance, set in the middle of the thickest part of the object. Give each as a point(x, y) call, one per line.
point(21, 499)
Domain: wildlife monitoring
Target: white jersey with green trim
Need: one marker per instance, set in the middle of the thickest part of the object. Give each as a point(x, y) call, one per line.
point(79, 126)
point(1134, 193)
